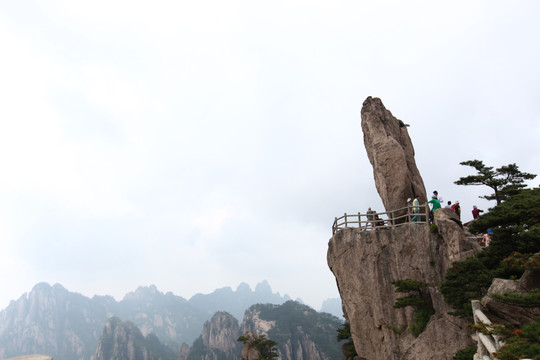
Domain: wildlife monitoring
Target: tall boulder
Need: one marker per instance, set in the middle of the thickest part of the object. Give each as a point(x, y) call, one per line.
point(366, 262)
point(391, 153)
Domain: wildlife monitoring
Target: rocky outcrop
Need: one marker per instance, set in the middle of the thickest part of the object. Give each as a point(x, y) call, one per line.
point(460, 244)
point(365, 263)
point(300, 332)
point(123, 340)
point(50, 320)
point(219, 337)
point(184, 352)
point(65, 325)
point(249, 350)
point(391, 153)
point(506, 313)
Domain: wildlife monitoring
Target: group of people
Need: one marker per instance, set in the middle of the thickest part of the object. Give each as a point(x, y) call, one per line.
point(414, 208)
point(436, 203)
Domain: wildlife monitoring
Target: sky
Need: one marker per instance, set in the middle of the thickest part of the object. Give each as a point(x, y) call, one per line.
point(195, 145)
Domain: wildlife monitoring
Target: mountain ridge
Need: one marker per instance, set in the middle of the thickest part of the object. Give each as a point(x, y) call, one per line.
point(67, 325)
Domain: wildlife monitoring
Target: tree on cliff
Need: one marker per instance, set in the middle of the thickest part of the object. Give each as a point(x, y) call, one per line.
point(344, 333)
point(505, 181)
point(266, 348)
point(516, 227)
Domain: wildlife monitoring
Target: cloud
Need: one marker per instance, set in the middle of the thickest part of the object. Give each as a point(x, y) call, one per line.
point(146, 143)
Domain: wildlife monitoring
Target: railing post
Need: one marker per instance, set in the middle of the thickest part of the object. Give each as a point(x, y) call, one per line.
point(345, 216)
point(359, 221)
point(334, 227)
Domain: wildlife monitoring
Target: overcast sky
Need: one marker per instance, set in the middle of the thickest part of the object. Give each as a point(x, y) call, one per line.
point(197, 145)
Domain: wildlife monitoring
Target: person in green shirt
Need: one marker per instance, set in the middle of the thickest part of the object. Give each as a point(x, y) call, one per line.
point(436, 205)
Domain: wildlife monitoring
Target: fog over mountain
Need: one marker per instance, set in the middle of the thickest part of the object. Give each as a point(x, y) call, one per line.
point(66, 325)
point(196, 145)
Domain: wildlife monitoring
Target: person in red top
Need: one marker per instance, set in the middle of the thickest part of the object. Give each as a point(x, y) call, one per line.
point(476, 212)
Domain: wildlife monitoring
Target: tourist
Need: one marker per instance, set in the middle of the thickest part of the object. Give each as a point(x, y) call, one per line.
point(436, 194)
point(476, 212)
point(487, 237)
point(416, 209)
point(435, 206)
point(370, 216)
point(410, 208)
point(449, 205)
point(457, 209)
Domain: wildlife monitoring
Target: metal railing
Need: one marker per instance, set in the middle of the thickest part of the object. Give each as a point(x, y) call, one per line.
point(487, 344)
point(385, 219)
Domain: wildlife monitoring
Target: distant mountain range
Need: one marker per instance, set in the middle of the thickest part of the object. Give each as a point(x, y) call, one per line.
point(299, 331)
point(53, 321)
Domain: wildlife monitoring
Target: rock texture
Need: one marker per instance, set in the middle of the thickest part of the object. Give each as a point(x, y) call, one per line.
point(123, 340)
point(50, 320)
point(459, 243)
point(365, 263)
point(250, 352)
point(219, 337)
point(300, 332)
point(391, 153)
point(184, 352)
point(65, 325)
point(505, 313)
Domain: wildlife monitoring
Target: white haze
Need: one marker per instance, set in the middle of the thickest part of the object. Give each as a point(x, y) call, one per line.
point(198, 145)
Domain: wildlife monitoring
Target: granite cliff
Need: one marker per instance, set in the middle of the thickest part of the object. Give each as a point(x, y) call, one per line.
point(217, 341)
point(366, 261)
point(299, 331)
point(124, 340)
point(65, 325)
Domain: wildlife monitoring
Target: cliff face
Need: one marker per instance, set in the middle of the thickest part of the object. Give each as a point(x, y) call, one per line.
point(365, 263)
point(219, 338)
point(52, 320)
point(300, 332)
point(123, 340)
point(49, 320)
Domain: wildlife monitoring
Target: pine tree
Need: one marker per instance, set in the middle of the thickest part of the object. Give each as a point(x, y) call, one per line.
point(505, 181)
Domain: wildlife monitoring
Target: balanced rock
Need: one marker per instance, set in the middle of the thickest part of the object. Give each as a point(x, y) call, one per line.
point(391, 153)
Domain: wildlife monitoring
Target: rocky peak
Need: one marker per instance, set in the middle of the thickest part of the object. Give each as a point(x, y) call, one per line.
point(300, 332)
point(263, 288)
point(365, 263)
point(143, 293)
point(391, 153)
point(221, 333)
point(123, 340)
